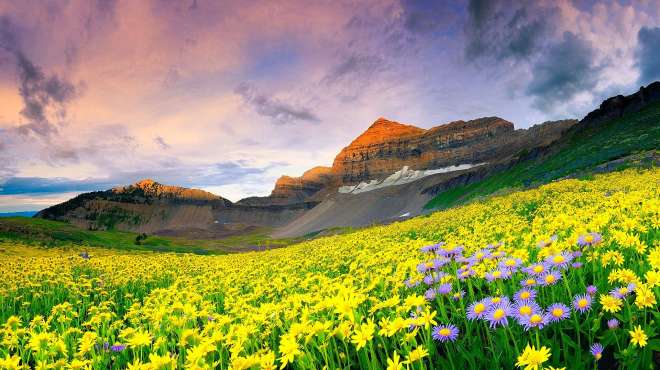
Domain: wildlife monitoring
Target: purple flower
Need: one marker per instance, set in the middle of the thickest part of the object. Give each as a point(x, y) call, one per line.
point(410, 282)
point(535, 320)
point(577, 254)
point(466, 274)
point(510, 263)
point(529, 282)
point(430, 294)
point(490, 301)
point(498, 314)
point(582, 303)
point(432, 247)
point(597, 350)
point(498, 274)
point(444, 288)
point(106, 346)
point(591, 290)
point(613, 323)
point(458, 295)
point(560, 260)
point(428, 280)
point(536, 269)
point(620, 292)
point(576, 265)
point(558, 312)
point(524, 294)
point(589, 239)
point(525, 308)
point(445, 333)
point(118, 347)
point(481, 254)
point(550, 278)
point(477, 310)
point(439, 262)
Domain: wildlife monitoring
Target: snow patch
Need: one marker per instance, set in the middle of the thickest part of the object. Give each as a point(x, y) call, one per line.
point(403, 176)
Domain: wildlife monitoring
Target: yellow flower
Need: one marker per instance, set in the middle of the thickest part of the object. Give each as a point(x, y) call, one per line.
point(610, 303)
point(140, 338)
point(363, 334)
point(10, 362)
point(652, 278)
point(164, 362)
point(288, 349)
point(416, 355)
point(644, 297)
point(638, 336)
point(531, 358)
point(394, 363)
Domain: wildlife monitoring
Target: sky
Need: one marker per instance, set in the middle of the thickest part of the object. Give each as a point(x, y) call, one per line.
point(229, 95)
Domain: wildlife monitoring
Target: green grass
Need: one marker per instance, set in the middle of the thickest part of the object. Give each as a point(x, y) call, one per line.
point(580, 154)
point(41, 232)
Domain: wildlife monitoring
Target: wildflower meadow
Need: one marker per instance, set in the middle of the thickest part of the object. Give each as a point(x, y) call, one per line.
point(564, 276)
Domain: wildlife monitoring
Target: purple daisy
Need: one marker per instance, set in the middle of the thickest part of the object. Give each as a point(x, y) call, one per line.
point(576, 265)
point(458, 295)
point(558, 312)
point(428, 280)
point(430, 294)
point(582, 303)
point(498, 314)
point(577, 254)
point(444, 288)
point(477, 310)
point(498, 274)
point(560, 260)
point(466, 274)
point(613, 323)
point(525, 308)
point(550, 278)
point(589, 239)
point(620, 292)
point(535, 320)
point(118, 347)
point(524, 294)
point(431, 248)
point(536, 269)
point(445, 333)
point(411, 283)
point(597, 350)
point(529, 282)
point(510, 263)
point(591, 290)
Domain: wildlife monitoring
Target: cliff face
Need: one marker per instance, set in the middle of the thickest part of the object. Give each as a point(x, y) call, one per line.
point(619, 105)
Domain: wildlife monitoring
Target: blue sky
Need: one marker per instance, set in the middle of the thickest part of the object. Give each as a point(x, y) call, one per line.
point(227, 96)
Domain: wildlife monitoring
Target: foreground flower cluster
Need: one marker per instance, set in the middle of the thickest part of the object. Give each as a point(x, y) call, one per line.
point(564, 276)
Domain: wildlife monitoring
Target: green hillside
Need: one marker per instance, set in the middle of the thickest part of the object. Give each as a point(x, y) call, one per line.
point(579, 155)
point(48, 233)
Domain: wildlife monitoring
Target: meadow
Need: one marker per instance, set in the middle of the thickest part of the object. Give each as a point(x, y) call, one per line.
point(566, 275)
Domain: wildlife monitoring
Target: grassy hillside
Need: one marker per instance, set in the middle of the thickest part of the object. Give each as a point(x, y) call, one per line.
point(581, 153)
point(381, 297)
point(48, 233)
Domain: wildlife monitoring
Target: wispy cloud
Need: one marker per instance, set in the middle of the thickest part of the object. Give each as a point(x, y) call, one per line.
point(279, 111)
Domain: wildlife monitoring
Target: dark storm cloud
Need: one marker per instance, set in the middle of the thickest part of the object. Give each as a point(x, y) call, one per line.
point(507, 30)
point(566, 69)
point(648, 54)
point(44, 97)
point(161, 143)
point(280, 112)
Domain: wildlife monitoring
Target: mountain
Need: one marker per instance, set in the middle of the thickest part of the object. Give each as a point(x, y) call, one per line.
point(389, 172)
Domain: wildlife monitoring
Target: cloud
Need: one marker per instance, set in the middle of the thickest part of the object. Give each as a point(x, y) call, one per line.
point(40, 185)
point(507, 30)
point(161, 143)
point(648, 54)
point(44, 97)
point(566, 69)
point(280, 112)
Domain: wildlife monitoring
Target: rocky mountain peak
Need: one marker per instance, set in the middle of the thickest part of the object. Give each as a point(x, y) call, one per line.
point(383, 130)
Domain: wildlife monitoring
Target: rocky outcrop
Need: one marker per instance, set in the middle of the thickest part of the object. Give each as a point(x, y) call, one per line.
point(619, 105)
point(376, 155)
point(291, 190)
